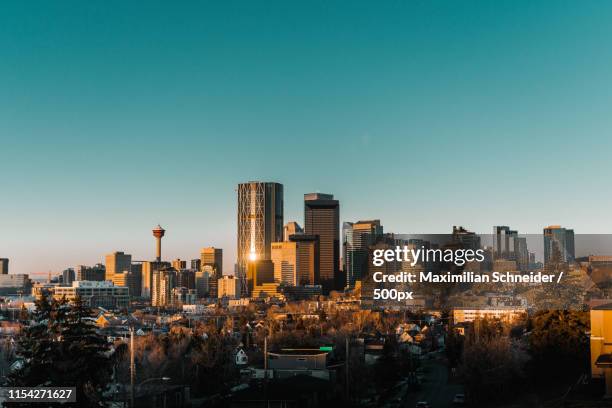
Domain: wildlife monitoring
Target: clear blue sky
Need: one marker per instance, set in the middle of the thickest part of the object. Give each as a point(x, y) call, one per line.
point(116, 116)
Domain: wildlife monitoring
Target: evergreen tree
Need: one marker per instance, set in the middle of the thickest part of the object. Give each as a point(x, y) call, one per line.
point(82, 355)
point(61, 348)
point(35, 348)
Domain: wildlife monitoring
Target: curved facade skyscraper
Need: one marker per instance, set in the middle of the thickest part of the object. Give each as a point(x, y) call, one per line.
point(260, 220)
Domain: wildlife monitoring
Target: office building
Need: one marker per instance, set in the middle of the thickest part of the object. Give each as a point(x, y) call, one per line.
point(117, 262)
point(179, 264)
point(521, 253)
point(558, 245)
point(185, 278)
point(148, 269)
point(213, 278)
point(164, 281)
point(183, 296)
point(357, 238)
point(17, 283)
point(135, 280)
point(503, 242)
point(291, 228)
point(260, 221)
point(322, 219)
point(94, 294)
point(467, 239)
point(295, 261)
point(90, 273)
point(258, 272)
point(214, 257)
point(202, 279)
point(229, 286)
point(131, 280)
point(196, 264)
point(68, 276)
point(4, 266)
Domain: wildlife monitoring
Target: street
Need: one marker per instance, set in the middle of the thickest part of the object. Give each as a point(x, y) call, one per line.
point(434, 388)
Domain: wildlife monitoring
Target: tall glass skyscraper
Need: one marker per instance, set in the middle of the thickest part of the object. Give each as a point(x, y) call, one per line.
point(357, 238)
point(558, 245)
point(260, 221)
point(322, 220)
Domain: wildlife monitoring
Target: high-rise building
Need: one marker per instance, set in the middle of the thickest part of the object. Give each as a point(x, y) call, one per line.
point(258, 272)
point(558, 245)
point(183, 296)
point(322, 219)
point(164, 281)
point(291, 228)
point(467, 239)
point(117, 262)
point(229, 286)
point(260, 221)
point(68, 276)
point(295, 261)
point(521, 253)
point(202, 280)
point(90, 273)
point(185, 278)
point(213, 257)
point(196, 264)
point(4, 266)
point(357, 238)
point(179, 264)
point(135, 280)
point(148, 269)
point(131, 280)
point(503, 242)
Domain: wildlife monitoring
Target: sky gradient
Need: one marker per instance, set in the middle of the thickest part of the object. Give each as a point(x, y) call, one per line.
point(426, 114)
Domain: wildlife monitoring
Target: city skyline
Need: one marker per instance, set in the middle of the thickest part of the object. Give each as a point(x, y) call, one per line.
point(422, 115)
point(232, 263)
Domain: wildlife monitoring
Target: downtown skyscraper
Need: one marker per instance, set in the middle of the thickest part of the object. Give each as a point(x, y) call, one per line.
point(357, 238)
point(558, 245)
point(322, 220)
point(260, 221)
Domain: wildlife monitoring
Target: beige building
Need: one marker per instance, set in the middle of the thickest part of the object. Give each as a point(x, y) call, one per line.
point(131, 280)
point(148, 269)
point(214, 257)
point(291, 228)
point(117, 262)
point(179, 264)
point(164, 281)
point(295, 261)
point(228, 286)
